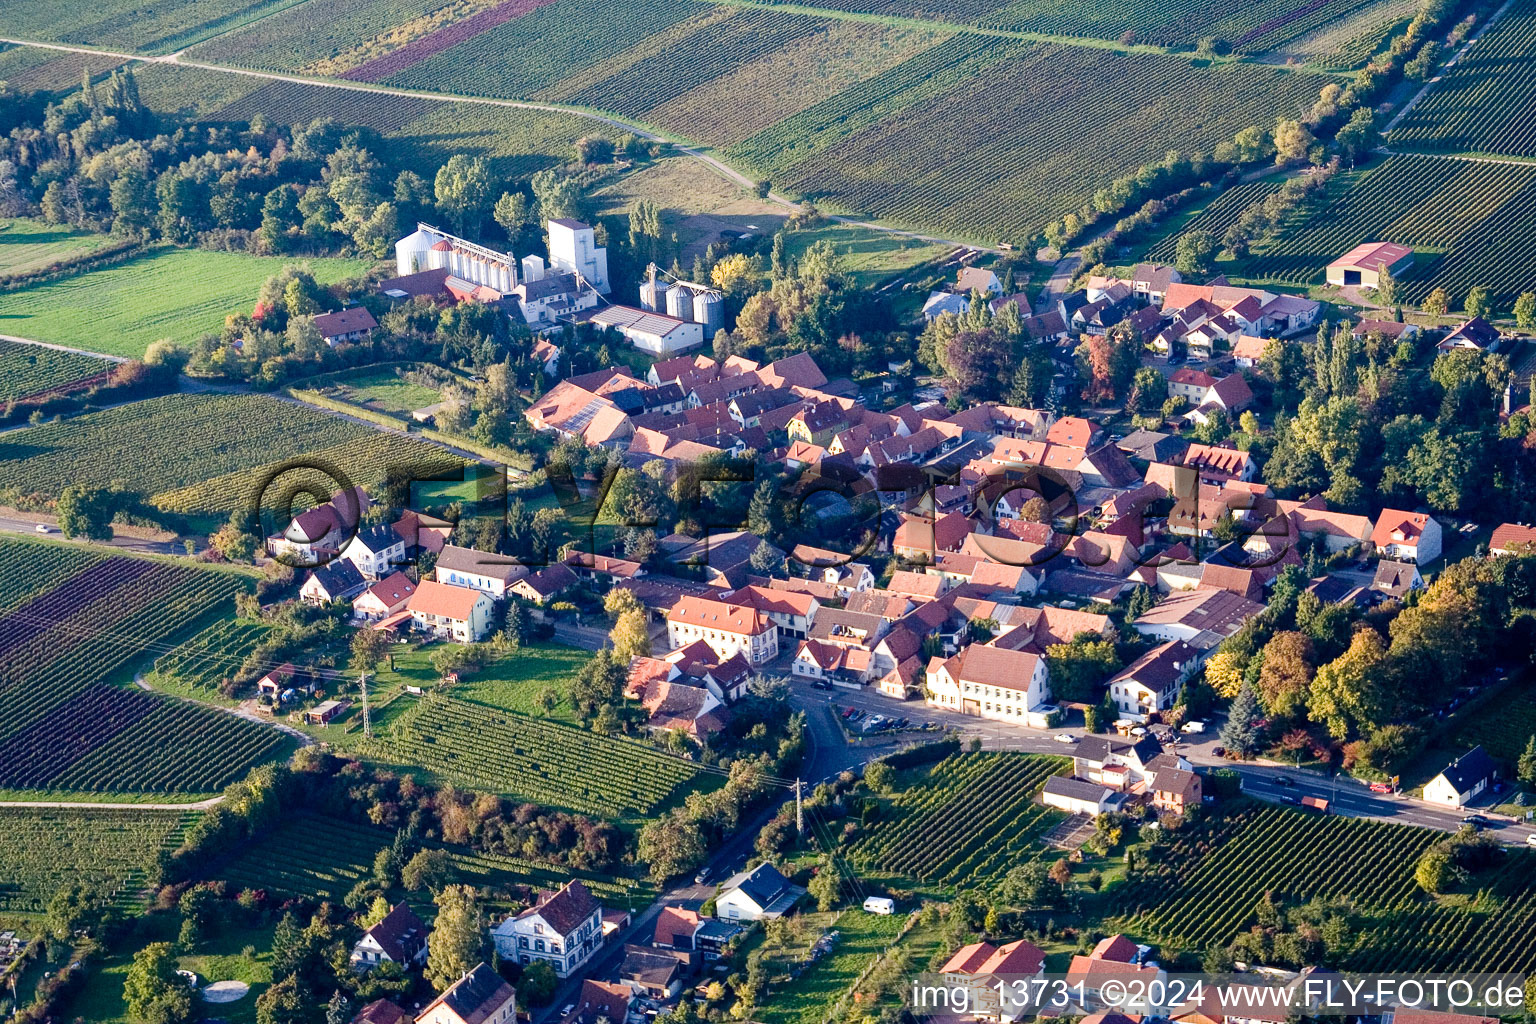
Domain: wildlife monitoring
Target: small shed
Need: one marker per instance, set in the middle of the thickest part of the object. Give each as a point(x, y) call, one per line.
point(325, 712)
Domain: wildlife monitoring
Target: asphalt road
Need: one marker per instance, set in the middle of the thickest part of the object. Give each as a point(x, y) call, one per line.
point(148, 547)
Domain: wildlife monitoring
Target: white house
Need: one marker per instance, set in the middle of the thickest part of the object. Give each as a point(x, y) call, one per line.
point(334, 582)
point(727, 628)
point(757, 894)
point(1153, 681)
point(990, 682)
point(1463, 780)
point(376, 551)
point(466, 567)
point(1407, 536)
point(400, 938)
point(453, 613)
point(656, 333)
point(793, 612)
point(564, 929)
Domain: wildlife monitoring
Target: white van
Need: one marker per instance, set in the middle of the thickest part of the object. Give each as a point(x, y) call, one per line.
point(879, 905)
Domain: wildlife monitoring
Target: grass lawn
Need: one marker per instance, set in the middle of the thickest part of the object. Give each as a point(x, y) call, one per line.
point(27, 245)
point(218, 957)
point(868, 256)
point(169, 293)
point(384, 391)
point(808, 998)
point(467, 492)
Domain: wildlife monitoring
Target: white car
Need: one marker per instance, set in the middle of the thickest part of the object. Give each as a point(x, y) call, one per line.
point(1065, 737)
point(41, 528)
point(1530, 840)
point(1192, 727)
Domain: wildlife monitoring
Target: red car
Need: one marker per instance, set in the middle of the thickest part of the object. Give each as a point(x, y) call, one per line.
point(1380, 787)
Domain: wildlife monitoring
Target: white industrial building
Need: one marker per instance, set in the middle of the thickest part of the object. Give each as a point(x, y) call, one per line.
point(573, 279)
point(573, 249)
point(656, 333)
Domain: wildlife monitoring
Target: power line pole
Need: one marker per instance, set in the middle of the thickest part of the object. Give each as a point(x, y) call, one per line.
point(799, 809)
point(362, 682)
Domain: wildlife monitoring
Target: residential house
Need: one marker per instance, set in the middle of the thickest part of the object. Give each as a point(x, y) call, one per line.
point(1175, 790)
point(1117, 959)
point(382, 1011)
point(287, 677)
point(564, 928)
point(569, 410)
point(376, 551)
point(676, 928)
point(1396, 579)
point(1152, 682)
point(1512, 538)
point(672, 700)
point(544, 586)
point(318, 534)
point(1248, 350)
point(653, 973)
point(1463, 780)
point(726, 678)
point(337, 581)
point(728, 628)
point(840, 665)
point(421, 533)
point(990, 682)
point(977, 279)
point(479, 997)
point(1150, 281)
point(793, 613)
point(989, 973)
point(489, 573)
point(1406, 536)
point(1386, 328)
point(757, 894)
point(1190, 384)
point(1124, 765)
point(453, 613)
point(939, 303)
point(1476, 333)
point(602, 1001)
point(1217, 464)
point(351, 324)
point(384, 598)
point(400, 938)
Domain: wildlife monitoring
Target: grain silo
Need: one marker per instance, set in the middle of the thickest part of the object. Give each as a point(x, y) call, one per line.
point(680, 304)
point(709, 310)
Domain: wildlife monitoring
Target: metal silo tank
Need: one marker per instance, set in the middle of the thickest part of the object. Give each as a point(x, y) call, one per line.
point(653, 296)
point(709, 310)
point(680, 303)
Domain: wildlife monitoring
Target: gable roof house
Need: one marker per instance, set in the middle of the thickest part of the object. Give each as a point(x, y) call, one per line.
point(1512, 538)
point(376, 550)
point(564, 928)
point(1153, 681)
point(757, 894)
point(384, 598)
point(456, 613)
point(1406, 536)
point(479, 997)
point(1121, 764)
point(479, 570)
point(1150, 281)
point(987, 974)
point(728, 628)
point(653, 973)
point(1463, 780)
point(1396, 579)
point(1476, 333)
point(351, 324)
point(1202, 617)
point(401, 938)
point(603, 1000)
point(989, 682)
point(334, 582)
point(1076, 796)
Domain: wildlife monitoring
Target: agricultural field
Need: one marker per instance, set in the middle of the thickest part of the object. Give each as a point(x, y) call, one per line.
point(1218, 215)
point(862, 938)
point(314, 33)
point(225, 446)
point(1347, 43)
point(128, 25)
point(28, 245)
point(197, 667)
point(1469, 221)
point(168, 293)
point(46, 848)
point(1013, 154)
point(545, 762)
point(321, 857)
point(944, 823)
point(1484, 103)
point(32, 370)
point(73, 622)
point(1203, 892)
point(29, 68)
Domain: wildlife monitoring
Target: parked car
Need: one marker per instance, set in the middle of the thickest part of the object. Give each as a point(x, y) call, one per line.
point(1192, 727)
point(1218, 751)
point(1530, 840)
point(1065, 737)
